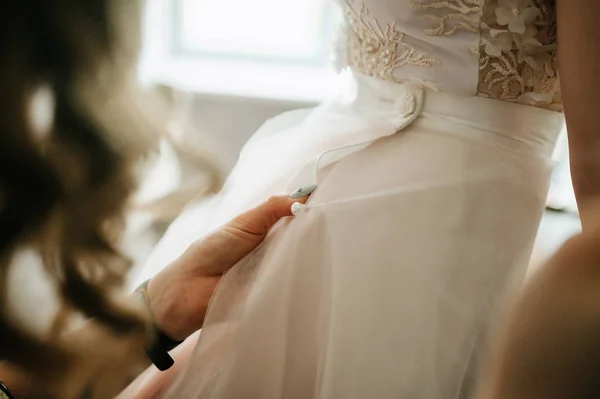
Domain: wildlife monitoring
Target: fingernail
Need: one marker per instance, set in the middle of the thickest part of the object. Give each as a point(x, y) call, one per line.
point(303, 192)
point(298, 208)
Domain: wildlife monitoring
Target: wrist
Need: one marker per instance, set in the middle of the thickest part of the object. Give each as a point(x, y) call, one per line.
point(165, 305)
point(17, 383)
point(158, 350)
point(156, 308)
point(179, 302)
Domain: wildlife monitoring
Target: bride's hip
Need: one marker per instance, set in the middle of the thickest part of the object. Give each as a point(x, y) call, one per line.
point(529, 131)
point(516, 126)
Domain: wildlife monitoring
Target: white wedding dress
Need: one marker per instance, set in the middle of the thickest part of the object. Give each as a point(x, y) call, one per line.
point(433, 164)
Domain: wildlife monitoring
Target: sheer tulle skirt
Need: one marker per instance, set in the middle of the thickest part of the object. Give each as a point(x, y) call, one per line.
point(386, 285)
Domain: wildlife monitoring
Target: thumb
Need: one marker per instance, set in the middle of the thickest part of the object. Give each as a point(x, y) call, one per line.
point(233, 241)
point(258, 221)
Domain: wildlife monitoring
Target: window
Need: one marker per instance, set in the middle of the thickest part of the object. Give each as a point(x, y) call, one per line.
point(261, 48)
point(275, 30)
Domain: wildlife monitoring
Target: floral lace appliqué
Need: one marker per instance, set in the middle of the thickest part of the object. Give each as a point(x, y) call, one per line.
point(461, 14)
point(518, 52)
point(517, 45)
point(377, 51)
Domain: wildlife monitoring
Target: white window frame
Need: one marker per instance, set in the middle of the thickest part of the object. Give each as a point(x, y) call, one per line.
point(161, 63)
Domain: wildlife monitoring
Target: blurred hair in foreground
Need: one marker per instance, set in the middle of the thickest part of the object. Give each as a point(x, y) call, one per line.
point(65, 179)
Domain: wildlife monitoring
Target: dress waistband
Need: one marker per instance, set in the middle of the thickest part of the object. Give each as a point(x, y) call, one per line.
point(372, 109)
point(533, 128)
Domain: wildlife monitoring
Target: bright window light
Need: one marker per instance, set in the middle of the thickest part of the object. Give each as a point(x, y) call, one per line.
point(269, 49)
point(274, 30)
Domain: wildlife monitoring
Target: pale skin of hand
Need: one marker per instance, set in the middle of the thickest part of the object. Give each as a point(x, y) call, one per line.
point(180, 293)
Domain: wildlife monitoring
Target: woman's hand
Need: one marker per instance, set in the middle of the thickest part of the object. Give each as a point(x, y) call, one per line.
point(179, 295)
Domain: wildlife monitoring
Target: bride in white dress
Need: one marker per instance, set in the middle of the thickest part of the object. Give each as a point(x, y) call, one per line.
point(432, 164)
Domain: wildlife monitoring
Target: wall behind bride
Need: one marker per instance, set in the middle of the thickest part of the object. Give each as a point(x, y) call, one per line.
point(224, 73)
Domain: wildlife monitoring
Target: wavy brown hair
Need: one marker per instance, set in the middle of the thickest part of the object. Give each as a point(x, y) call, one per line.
point(64, 186)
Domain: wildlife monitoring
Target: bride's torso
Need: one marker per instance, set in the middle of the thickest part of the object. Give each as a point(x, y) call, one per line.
point(458, 47)
point(500, 49)
point(461, 48)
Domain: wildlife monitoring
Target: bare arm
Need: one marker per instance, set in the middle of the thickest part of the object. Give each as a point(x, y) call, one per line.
point(549, 344)
point(579, 66)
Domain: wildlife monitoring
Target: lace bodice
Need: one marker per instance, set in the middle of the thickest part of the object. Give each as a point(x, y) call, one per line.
point(501, 49)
